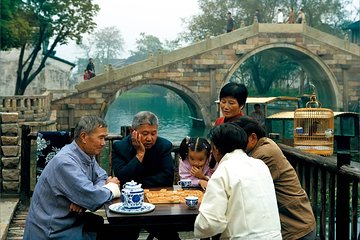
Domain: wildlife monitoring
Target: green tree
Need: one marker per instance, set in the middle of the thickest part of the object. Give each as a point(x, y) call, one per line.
point(211, 20)
point(146, 46)
point(14, 26)
point(108, 44)
point(50, 23)
point(265, 69)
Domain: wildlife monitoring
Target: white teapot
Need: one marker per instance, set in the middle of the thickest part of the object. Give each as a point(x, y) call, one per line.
point(132, 195)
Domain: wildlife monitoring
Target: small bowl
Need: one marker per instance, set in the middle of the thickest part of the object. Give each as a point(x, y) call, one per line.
point(191, 201)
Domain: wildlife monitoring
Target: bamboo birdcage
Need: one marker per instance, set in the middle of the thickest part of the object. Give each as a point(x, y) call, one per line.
point(314, 128)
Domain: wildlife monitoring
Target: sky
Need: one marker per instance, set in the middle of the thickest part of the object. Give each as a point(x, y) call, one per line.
point(160, 18)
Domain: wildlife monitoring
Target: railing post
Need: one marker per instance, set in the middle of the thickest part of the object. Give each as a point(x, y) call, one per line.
point(342, 198)
point(25, 164)
point(125, 130)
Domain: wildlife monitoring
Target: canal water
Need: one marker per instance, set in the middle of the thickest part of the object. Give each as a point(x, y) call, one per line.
point(173, 114)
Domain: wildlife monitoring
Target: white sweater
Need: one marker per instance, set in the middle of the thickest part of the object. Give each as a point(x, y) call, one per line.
point(239, 201)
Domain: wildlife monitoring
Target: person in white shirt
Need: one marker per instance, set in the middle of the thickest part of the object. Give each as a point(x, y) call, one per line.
point(279, 16)
point(239, 201)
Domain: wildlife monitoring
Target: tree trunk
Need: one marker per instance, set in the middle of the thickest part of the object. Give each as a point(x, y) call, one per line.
point(18, 88)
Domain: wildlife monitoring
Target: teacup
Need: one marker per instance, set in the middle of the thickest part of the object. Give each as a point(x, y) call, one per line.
point(185, 183)
point(191, 201)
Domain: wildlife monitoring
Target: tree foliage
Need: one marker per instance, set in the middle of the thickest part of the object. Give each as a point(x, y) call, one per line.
point(267, 68)
point(108, 44)
point(48, 23)
point(14, 26)
point(211, 20)
point(146, 46)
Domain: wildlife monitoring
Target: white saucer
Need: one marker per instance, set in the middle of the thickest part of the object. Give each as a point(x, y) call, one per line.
point(119, 208)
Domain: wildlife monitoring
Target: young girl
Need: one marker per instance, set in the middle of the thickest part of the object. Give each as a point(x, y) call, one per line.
point(196, 162)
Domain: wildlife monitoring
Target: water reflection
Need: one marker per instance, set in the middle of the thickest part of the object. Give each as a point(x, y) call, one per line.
point(173, 116)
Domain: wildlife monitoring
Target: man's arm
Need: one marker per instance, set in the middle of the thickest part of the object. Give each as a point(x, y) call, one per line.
point(125, 163)
point(76, 186)
point(271, 155)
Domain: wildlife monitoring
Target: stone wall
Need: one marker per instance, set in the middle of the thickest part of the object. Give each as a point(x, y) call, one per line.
point(10, 153)
point(16, 111)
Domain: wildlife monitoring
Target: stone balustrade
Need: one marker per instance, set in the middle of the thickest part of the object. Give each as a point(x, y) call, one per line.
point(16, 111)
point(29, 108)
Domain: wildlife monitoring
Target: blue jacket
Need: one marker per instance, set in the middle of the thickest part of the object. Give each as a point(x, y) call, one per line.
point(70, 177)
point(156, 170)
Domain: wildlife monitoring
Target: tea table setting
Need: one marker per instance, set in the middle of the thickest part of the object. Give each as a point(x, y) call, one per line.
point(178, 211)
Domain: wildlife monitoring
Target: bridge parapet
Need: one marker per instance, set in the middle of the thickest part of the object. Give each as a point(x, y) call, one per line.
point(331, 40)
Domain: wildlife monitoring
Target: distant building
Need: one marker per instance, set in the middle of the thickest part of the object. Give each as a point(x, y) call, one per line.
point(53, 78)
point(355, 32)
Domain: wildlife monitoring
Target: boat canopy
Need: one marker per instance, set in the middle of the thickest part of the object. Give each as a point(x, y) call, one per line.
point(290, 115)
point(265, 100)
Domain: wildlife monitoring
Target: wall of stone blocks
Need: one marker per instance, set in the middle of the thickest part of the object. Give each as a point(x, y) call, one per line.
point(10, 153)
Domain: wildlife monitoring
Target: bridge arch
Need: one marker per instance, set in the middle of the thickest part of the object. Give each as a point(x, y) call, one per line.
point(327, 87)
point(193, 101)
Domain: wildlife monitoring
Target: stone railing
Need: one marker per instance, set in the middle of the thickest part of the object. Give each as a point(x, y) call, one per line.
point(16, 111)
point(29, 108)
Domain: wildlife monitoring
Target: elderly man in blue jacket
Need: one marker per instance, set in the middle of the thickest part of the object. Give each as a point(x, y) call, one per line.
point(71, 183)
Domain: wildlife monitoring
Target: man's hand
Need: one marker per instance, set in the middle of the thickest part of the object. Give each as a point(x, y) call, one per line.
point(137, 144)
point(76, 208)
point(113, 180)
point(113, 184)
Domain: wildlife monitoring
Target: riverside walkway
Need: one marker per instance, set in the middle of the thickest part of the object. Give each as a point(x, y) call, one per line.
point(332, 184)
point(14, 213)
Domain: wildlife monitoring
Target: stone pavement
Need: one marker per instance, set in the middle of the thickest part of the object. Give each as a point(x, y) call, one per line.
point(7, 209)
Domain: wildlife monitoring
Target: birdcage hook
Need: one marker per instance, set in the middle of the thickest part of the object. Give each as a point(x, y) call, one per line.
point(313, 101)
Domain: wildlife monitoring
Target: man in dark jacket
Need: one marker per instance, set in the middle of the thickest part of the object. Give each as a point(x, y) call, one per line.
point(145, 158)
point(230, 23)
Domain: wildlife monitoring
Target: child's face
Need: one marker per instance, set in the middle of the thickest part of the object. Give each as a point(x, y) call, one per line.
point(197, 159)
point(229, 107)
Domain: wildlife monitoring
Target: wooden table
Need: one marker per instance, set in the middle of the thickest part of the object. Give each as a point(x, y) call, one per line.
point(176, 216)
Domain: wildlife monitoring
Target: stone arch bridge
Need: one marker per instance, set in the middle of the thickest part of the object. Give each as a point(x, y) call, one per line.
point(197, 72)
